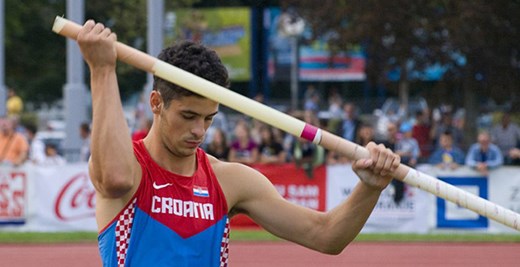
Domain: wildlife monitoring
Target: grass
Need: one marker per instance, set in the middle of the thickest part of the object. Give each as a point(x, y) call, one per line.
point(260, 235)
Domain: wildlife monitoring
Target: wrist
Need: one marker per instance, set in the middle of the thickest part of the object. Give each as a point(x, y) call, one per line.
point(102, 69)
point(372, 188)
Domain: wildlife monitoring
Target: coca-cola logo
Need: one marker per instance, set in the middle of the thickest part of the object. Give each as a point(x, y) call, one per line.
point(76, 200)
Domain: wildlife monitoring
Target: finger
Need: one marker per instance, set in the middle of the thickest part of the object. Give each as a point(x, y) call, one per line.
point(388, 162)
point(113, 37)
point(89, 24)
point(396, 162)
point(106, 33)
point(87, 27)
point(98, 28)
point(362, 164)
point(379, 158)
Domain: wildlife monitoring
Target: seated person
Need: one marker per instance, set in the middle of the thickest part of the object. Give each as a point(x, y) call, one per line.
point(484, 155)
point(270, 150)
point(447, 155)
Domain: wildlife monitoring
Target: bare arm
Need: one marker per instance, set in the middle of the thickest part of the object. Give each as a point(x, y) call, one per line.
point(327, 232)
point(113, 165)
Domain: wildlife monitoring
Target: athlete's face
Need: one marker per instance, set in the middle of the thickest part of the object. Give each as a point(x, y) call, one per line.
point(184, 123)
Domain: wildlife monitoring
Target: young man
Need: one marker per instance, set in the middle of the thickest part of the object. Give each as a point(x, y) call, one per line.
point(162, 201)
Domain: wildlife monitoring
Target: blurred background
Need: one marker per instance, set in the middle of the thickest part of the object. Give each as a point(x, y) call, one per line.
point(423, 77)
point(461, 56)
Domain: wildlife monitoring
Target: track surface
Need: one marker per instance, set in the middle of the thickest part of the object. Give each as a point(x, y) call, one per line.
point(253, 254)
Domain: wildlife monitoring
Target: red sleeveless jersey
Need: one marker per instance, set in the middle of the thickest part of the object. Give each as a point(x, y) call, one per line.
point(172, 220)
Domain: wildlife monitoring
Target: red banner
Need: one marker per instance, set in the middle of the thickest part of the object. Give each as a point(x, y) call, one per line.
point(293, 184)
point(13, 185)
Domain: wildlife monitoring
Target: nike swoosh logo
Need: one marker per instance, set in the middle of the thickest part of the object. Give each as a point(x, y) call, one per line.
point(160, 186)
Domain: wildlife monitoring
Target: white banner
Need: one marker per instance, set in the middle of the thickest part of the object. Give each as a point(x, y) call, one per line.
point(62, 198)
point(410, 215)
point(59, 198)
point(504, 190)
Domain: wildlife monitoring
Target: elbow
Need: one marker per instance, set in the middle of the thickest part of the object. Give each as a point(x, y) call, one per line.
point(333, 250)
point(332, 246)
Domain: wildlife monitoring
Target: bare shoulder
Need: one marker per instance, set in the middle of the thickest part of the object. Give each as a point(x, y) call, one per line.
point(230, 170)
point(240, 182)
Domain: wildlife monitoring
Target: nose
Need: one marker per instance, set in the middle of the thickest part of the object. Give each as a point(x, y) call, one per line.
point(198, 129)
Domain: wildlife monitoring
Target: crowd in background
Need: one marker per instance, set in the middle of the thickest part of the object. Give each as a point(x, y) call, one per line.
point(425, 137)
point(421, 138)
point(434, 138)
point(19, 143)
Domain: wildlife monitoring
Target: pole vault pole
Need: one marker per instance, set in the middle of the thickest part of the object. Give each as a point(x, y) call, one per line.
point(296, 127)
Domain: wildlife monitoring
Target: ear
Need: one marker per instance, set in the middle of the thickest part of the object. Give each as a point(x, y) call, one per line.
point(156, 102)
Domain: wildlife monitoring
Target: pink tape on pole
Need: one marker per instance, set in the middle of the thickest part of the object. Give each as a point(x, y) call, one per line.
point(309, 132)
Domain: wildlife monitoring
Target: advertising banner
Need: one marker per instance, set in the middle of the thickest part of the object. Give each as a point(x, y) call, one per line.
point(13, 193)
point(412, 214)
point(316, 62)
point(293, 184)
point(504, 190)
point(62, 198)
point(50, 198)
point(226, 30)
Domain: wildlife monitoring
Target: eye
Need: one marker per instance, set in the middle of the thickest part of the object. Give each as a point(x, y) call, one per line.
point(209, 118)
point(188, 117)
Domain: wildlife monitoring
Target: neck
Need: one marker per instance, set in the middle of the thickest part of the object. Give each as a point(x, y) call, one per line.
point(168, 160)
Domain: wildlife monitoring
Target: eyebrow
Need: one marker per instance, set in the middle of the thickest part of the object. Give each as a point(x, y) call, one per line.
point(190, 112)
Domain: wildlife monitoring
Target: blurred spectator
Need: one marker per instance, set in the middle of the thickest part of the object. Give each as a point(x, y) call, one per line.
point(392, 143)
point(37, 147)
point(218, 147)
point(270, 150)
point(143, 130)
point(446, 124)
point(14, 103)
point(349, 124)
point(243, 148)
point(335, 102)
point(447, 156)
point(335, 111)
point(14, 148)
point(309, 92)
point(219, 122)
point(313, 102)
point(256, 129)
point(514, 155)
point(306, 154)
point(421, 133)
point(84, 133)
point(393, 136)
point(484, 155)
point(407, 147)
point(52, 157)
point(365, 135)
point(506, 135)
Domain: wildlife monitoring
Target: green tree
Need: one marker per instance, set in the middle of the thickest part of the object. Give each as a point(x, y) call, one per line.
point(477, 41)
point(35, 56)
point(35, 60)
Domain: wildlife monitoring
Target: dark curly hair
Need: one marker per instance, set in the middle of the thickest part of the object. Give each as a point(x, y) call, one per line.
point(194, 58)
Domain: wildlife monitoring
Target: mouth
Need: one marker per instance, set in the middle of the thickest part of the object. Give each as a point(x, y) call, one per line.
point(193, 143)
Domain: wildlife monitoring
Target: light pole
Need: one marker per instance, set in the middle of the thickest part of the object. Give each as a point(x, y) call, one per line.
point(155, 11)
point(75, 91)
point(292, 26)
